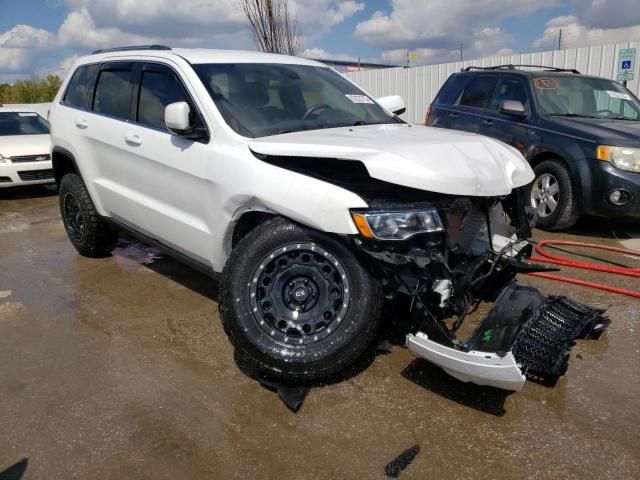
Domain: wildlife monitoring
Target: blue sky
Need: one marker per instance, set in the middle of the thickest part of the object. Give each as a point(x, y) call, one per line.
point(43, 36)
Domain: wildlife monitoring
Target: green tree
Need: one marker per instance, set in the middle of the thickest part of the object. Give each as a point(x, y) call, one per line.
point(32, 90)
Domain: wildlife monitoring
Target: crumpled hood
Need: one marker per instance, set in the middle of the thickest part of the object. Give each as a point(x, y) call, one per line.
point(18, 145)
point(426, 158)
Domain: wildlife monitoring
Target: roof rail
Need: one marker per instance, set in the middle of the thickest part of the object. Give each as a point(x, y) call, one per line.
point(513, 67)
point(132, 47)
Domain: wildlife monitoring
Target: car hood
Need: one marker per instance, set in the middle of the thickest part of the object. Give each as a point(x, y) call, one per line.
point(624, 133)
point(17, 145)
point(426, 158)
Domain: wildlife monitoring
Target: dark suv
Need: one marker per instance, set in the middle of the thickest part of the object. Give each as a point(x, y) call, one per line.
point(581, 135)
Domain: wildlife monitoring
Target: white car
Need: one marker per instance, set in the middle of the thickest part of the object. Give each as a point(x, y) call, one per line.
point(309, 200)
point(24, 148)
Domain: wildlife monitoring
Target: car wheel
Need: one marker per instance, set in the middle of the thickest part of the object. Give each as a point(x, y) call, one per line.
point(88, 232)
point(553, 196)
point(298, 303)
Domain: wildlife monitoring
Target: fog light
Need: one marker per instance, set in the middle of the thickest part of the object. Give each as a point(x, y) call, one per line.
point(620, 197)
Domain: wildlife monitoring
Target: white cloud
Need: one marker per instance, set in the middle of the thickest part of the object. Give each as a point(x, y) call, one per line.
point(439, 24)
point(576, 34)
point(320, 54)
point(607, 14)
point(25, 36)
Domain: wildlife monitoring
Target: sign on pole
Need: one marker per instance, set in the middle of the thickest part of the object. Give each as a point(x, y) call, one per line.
point(626, 64)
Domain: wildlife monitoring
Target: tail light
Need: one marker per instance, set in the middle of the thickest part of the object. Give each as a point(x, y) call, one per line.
point(427, 119)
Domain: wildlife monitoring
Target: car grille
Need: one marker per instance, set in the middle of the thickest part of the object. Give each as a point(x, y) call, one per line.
point(31, 158)
point(5, 180)
point(30, 175)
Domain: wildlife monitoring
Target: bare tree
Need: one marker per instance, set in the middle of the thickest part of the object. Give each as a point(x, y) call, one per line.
point(273, 28)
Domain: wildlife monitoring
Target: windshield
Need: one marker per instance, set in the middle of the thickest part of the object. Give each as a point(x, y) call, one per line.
point(22, 123)
point(570, 95)
point(258, 99)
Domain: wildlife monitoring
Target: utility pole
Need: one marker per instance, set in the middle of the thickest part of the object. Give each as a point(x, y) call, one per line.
point(559, 39)
point(460, 52)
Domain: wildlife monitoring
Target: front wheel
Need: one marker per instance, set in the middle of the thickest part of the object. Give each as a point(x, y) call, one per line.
point(552, 194)
point(297, 302)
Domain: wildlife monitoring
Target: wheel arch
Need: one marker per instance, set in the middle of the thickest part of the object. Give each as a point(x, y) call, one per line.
point(63, 162)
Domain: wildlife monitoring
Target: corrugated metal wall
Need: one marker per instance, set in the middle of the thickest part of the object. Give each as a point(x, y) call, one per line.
point(418, 85)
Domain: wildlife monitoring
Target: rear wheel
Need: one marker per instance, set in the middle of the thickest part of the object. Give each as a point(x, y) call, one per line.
point(297, 302)
point(552, 194)
point(88, 232)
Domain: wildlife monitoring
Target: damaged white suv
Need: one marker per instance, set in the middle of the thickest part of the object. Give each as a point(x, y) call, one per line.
point(310, 200)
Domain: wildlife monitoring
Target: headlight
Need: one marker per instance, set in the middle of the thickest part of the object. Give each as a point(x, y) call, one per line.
point(625, 158)
point(397, 225)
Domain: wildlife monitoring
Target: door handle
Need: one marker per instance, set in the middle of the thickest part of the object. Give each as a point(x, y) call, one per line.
point(81, 123)
point(487, 123)
point(133, 139)
point(453, 115)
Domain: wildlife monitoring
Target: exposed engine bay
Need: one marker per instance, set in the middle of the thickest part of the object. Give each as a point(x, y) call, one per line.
point(474, 256)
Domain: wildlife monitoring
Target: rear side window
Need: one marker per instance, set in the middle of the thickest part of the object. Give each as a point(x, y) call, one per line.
point(80, 90)
point(157, 90)
point(113, 93)
point(478, 91)
point(450, 91)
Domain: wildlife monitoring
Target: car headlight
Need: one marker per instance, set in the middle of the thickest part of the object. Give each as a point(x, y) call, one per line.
point(625, 158)
point(397, 225)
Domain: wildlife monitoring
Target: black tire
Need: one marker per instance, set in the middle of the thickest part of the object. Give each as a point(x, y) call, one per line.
point(302, 349)
point(562, 192)
point(88, 232)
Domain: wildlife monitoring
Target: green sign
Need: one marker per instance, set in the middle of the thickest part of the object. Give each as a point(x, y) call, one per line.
point(625, 77)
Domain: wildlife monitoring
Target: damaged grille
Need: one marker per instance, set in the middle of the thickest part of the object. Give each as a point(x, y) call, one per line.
point(542, 343)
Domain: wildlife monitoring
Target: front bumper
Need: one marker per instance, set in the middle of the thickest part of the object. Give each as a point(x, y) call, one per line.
point(607, 178)
point(25, 173)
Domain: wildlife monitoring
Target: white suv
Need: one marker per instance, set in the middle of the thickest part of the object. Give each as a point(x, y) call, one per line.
point(309, 200)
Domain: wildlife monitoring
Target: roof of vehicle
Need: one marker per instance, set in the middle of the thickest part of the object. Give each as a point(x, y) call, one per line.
point(201, 55)
point(518, 68)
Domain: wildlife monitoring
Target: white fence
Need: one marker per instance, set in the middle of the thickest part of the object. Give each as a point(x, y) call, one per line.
point(418, 85)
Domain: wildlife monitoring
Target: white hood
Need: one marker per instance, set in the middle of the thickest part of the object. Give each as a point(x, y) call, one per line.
point(18, 145)
point(426, 158)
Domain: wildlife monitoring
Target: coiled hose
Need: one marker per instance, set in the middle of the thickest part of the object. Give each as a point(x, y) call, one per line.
point(547, 257)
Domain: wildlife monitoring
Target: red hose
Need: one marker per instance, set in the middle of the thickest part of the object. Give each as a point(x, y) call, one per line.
point(547, 257)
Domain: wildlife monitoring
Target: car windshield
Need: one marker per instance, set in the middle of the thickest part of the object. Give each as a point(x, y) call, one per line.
point(257, 100)
point(22, 123)
point(576, 96)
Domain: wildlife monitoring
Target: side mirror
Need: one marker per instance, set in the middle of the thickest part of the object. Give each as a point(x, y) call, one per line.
point(176, 118)
point(392, 103)
point(513, 108)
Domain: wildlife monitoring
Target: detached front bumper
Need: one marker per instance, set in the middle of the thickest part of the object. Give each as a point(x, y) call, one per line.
point(524, 332)
point(481, 368)
point(14, 174)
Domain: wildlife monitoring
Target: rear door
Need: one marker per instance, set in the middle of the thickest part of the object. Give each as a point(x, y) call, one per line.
point(467, 113)
point(441, 111)
point(164, 175)
point(508, 128)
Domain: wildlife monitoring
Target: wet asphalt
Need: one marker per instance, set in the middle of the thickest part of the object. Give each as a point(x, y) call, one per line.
point(118, 368)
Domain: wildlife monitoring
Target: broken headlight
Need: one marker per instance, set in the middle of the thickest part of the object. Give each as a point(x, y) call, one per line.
point(397, 225)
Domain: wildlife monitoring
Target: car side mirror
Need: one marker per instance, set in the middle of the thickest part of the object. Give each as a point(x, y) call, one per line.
point(392, 103)
point(177, 118)
point(513, 108)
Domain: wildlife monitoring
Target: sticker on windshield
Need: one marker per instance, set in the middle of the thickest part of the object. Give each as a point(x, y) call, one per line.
point(27, 114)
point(359, 98)
point(622, 96)
point(545, 83)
